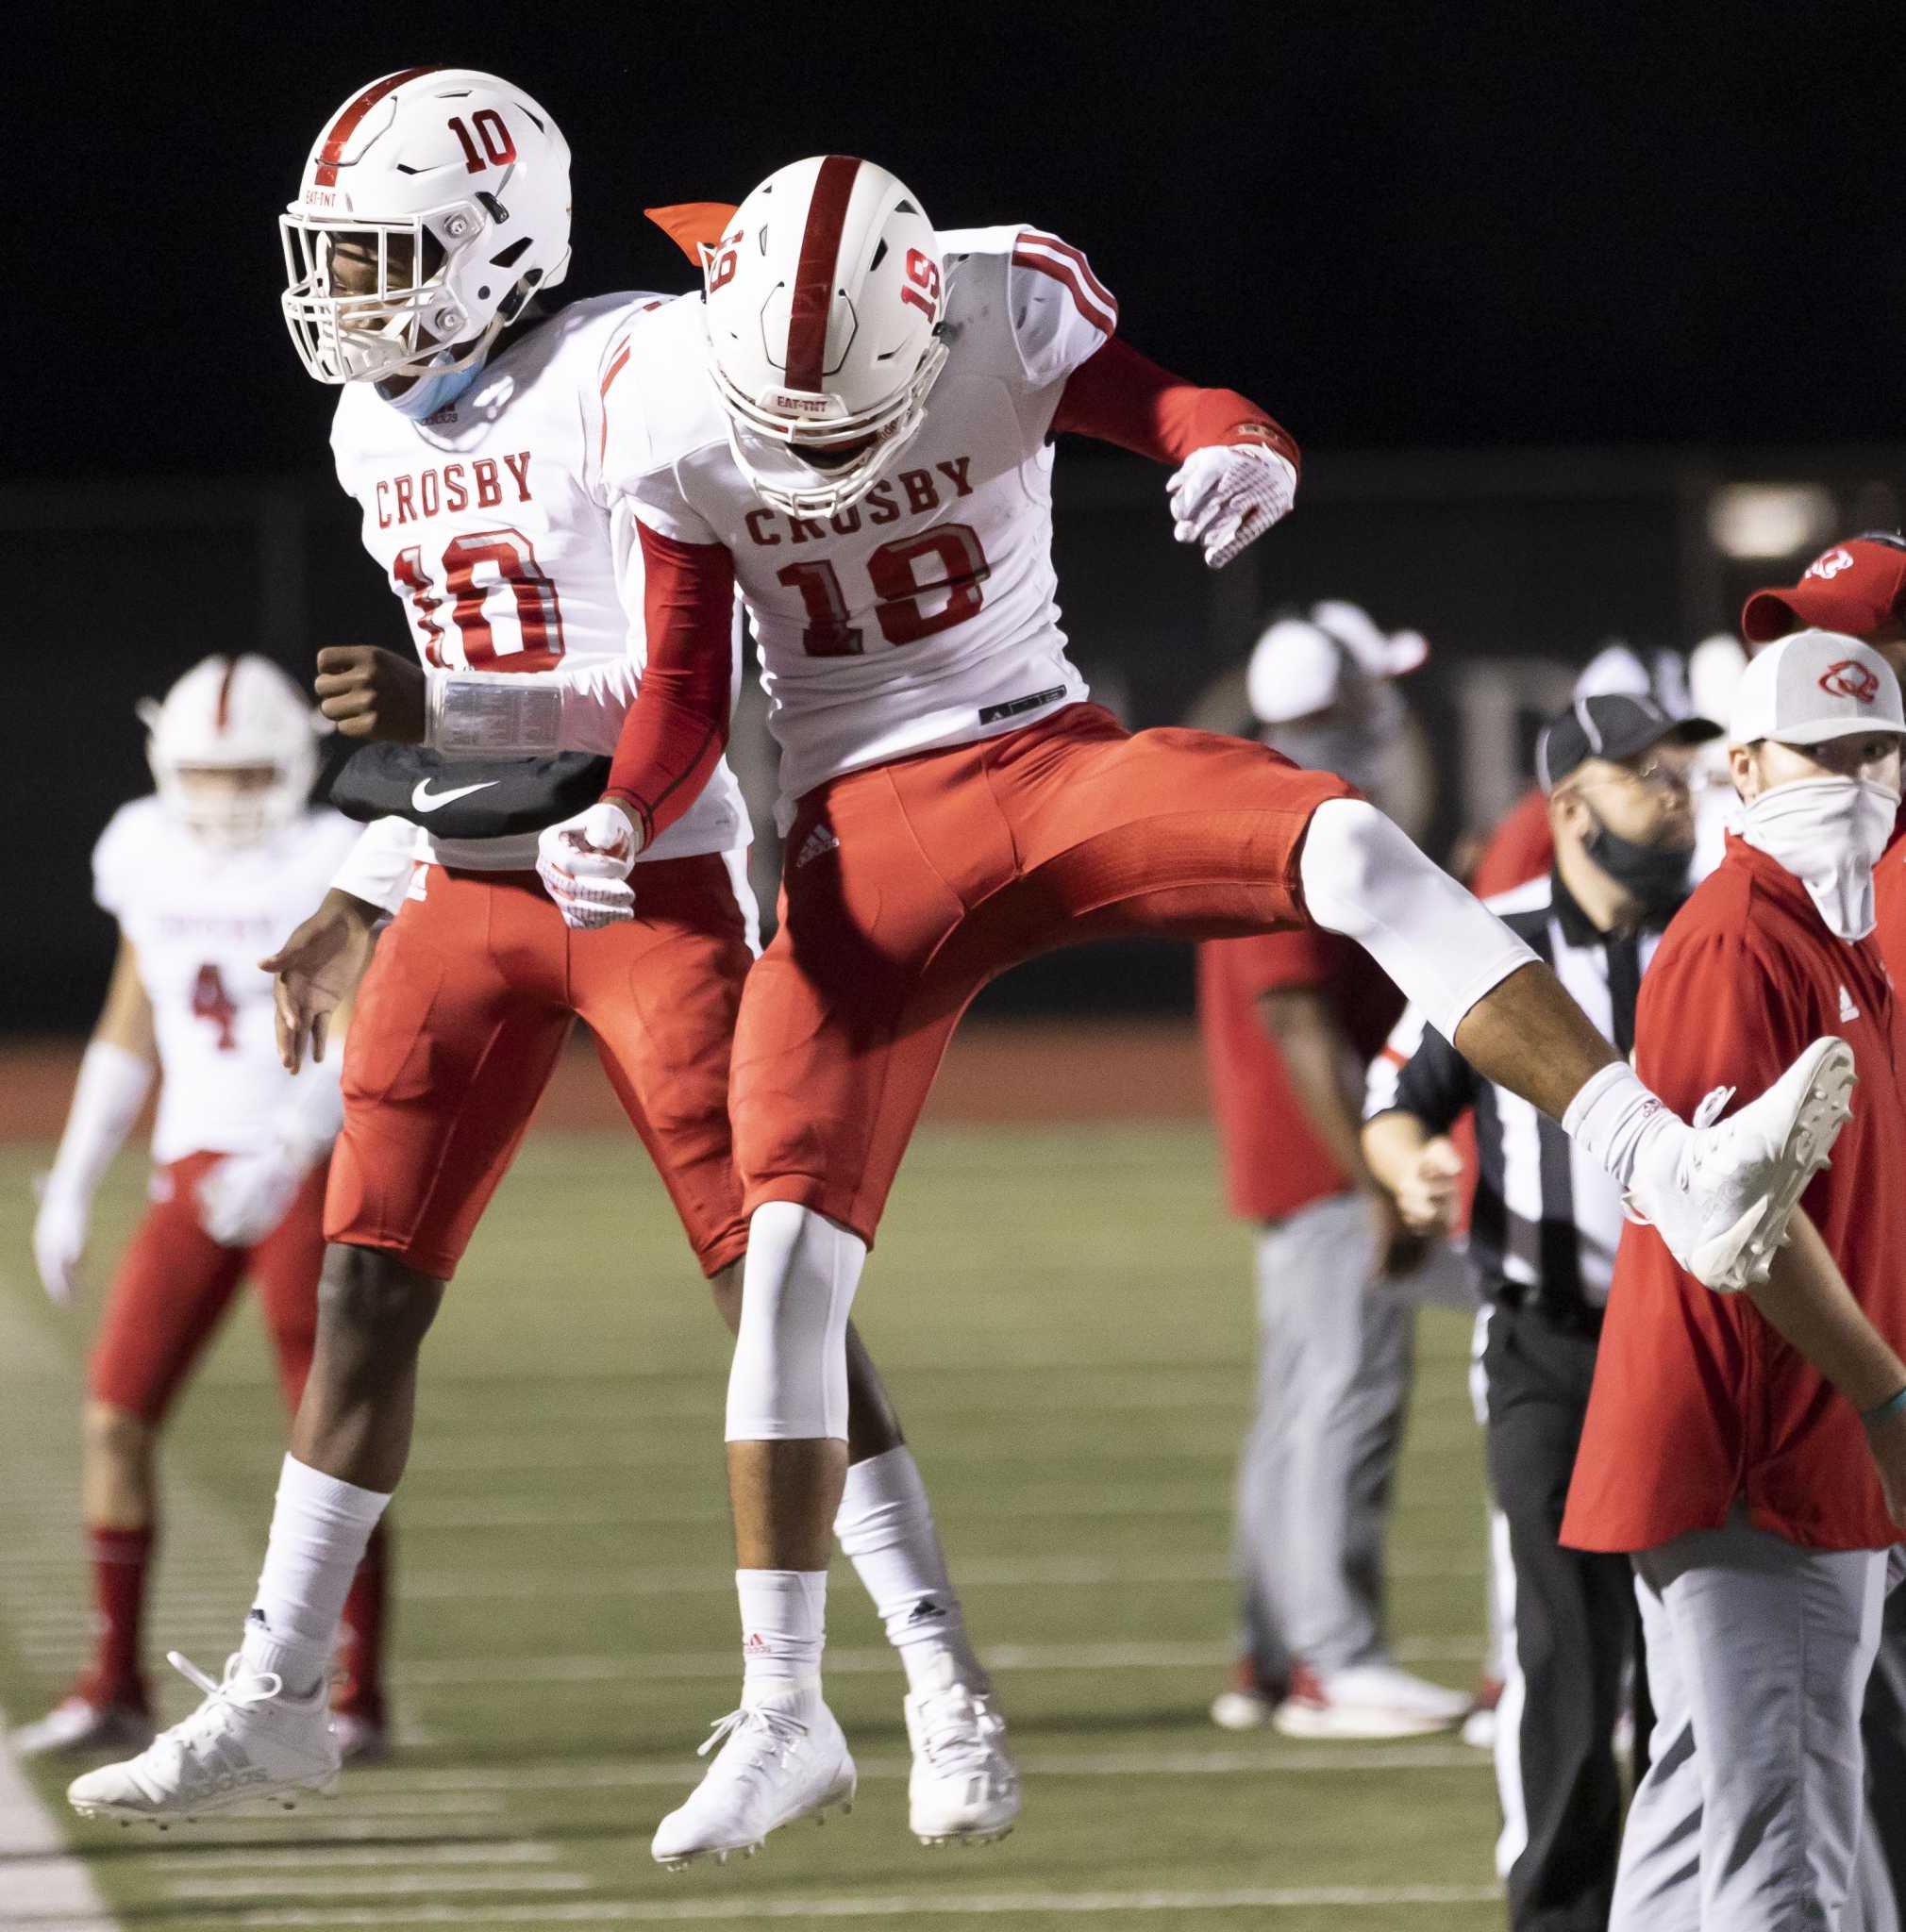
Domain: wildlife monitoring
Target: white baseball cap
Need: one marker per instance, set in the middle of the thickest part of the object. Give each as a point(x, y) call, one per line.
point(1299, 664)
point(1296, 669)
point(1814, 685)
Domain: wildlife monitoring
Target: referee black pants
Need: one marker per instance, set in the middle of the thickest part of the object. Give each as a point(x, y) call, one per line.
point(1567, 1635)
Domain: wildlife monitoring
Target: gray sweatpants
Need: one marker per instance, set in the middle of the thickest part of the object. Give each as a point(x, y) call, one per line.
point(1334, 1352)
point(1758, 1655)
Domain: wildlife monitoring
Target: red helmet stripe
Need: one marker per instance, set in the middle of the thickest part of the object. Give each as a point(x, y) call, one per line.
point(815, 275)
point(347, 123)
point(221, 717)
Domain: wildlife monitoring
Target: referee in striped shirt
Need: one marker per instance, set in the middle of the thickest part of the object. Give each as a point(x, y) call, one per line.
point(1542, 1234)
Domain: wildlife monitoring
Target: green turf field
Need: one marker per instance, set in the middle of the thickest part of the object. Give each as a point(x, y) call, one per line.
point(1064, 1319)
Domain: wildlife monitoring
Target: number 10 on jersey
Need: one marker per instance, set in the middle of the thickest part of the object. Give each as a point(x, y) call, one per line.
point(505, 609)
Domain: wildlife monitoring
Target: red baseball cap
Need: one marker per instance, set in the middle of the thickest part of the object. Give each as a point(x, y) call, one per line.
point(1856, 588)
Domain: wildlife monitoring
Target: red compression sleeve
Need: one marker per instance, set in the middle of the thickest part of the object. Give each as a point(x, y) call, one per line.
point(1123, 397)
point(677, 727)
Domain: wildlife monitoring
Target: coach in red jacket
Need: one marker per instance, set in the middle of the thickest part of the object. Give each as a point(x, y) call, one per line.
point(1750, 1452)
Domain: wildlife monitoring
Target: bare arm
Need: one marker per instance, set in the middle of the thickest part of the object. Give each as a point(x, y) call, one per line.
point(1806, 1298)
point(1423, 1170)
point(1329, 1086)
point(1323, 1069)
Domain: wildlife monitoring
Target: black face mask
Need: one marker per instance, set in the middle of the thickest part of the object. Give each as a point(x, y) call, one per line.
point(1656, 875)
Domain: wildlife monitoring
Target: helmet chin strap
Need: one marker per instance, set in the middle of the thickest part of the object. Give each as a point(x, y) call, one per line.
point(431, 391)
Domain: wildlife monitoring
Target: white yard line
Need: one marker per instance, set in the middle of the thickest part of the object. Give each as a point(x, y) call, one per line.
point(508, 1582)
point(45, 1886)
point(1219, 1761)
point(376, 1885)
point(329, 1857)
point(41, 1877)
point(903, 1906)
point(500, 1672)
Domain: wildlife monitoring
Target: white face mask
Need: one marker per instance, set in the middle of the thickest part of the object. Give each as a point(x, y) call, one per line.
point(1829, 833)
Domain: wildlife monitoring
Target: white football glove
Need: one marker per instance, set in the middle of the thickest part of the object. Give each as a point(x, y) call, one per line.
point(1228, 495)
point(241, 1198)
point(59, 1237)
point(584, 865)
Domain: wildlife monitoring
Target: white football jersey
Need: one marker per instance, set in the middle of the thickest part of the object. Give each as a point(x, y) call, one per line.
point(200, 917)
point(926, 614)
point(495, 531)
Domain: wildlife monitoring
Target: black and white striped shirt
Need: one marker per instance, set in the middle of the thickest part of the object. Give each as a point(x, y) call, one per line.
point(1547, 1218)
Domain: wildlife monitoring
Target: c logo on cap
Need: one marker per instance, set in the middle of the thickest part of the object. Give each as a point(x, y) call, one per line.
point(1831, 564)
point(1850, 679)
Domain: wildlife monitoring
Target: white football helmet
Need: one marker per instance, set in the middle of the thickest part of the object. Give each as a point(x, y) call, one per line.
point(458, 183)
point(824, 302)
point(228, 714)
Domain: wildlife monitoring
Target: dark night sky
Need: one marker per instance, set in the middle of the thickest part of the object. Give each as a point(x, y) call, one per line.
point(1438, 225)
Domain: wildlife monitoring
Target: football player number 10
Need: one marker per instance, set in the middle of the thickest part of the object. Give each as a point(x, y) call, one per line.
point(956, 567)
point(474, 567)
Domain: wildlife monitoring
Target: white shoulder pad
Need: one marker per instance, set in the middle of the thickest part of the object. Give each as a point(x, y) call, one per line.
point(658, 406)
point(123, 851)
point(1061, 313)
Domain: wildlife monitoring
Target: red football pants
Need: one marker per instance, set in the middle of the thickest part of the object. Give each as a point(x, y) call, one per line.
point(458, 1024)
point(909, 885)
point(174, 1283)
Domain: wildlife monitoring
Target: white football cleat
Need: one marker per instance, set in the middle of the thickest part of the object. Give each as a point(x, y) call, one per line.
point(77, 1724)
point(1367, 1701)
point(248, 1741)
point(782, 1759)
point(1723, 1206)
point(964, 1788)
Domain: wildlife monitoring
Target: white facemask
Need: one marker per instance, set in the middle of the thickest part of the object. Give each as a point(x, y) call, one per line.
point(1829, 833)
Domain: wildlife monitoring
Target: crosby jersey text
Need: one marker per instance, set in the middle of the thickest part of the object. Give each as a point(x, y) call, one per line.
point(926, 614)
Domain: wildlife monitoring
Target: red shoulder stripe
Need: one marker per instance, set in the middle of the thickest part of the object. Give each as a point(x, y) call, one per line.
point(1102, 314)
point(1077, 258)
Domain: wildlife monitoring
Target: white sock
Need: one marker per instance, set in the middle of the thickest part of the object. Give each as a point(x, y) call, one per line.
point(784, 1625)
point(886, 1527)
point(1363, 878)
point(1615, 1118)
point(319, 1530)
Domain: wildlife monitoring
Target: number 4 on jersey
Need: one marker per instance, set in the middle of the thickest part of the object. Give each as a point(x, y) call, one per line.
point(526, 635)
point(213, 1005)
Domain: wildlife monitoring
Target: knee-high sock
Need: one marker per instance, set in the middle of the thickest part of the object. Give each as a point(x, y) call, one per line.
point(1445, 950)
point(886, 1528)
point(121, 1558)
point(319, 1531)
point(1363, 878)
point(789, 1378)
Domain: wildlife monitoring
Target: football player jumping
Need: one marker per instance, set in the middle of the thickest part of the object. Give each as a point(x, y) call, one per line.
point(855, 424)
point(434, 208)
point(203, 877)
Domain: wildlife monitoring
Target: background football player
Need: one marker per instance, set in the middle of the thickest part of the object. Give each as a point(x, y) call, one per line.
point(204, 876)
point(856, 426)
point(434, 206)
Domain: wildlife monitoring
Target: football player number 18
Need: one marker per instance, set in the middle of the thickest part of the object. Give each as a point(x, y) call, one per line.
point(523, 634)
point(906, 607)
